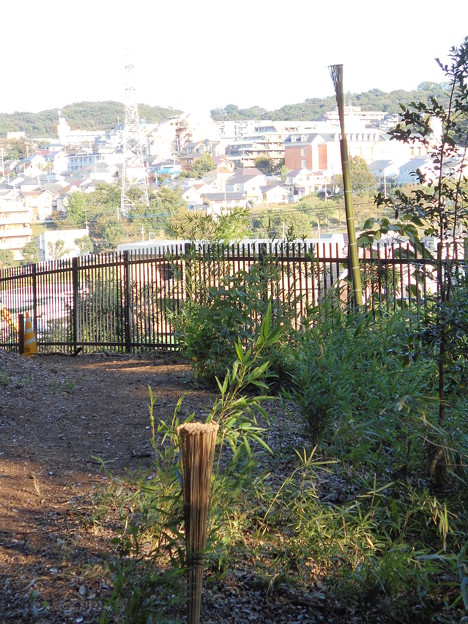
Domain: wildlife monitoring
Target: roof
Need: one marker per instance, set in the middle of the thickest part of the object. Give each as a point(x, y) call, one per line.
point(223, 196)
point(310, 137)
point(242, 175)
point(268, 189)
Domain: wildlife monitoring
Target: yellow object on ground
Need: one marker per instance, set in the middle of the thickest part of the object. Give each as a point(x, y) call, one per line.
point(30, 344)
point(6, 315)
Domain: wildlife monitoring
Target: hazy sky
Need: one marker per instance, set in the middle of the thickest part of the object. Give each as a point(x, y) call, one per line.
point(196, 55)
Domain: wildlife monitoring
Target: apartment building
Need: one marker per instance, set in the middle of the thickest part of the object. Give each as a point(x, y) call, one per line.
point(15, 222)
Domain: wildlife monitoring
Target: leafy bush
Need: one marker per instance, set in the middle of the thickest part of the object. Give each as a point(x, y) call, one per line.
point(209, 325)
point(361, 378)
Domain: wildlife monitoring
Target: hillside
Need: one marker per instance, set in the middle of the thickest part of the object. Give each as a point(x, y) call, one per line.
point(81, 115)
point(106, 115)
point(315, 108)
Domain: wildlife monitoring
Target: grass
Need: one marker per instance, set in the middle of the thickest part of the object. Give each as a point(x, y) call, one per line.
point(344, 515)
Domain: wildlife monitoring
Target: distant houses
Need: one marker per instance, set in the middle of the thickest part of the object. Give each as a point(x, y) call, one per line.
point(33, 188)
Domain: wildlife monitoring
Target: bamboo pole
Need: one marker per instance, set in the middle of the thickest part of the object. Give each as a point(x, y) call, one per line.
point(336, 73)
point(197, 445)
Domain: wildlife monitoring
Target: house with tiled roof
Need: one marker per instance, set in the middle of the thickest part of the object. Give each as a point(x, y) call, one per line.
point(248, 182)
point(302, 182)
point(222, 203)
point(41, 203)
point(278, 194)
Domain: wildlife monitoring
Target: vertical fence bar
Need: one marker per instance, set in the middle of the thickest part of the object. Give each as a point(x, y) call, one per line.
point(34, 295)
point(75, 286)
point(21, 334)
point(126, 299)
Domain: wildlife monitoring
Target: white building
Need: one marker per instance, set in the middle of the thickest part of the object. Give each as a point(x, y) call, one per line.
point(15, 222)
point(60, 244)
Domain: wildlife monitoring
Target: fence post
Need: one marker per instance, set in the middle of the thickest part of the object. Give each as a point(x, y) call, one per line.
point(262, 256)
point(34, 289)
point(189, 294)
point(127, 294)
point(75, 285)
point(21, 334)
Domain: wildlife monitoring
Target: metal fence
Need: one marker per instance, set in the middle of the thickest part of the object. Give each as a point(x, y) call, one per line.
point(125, 301)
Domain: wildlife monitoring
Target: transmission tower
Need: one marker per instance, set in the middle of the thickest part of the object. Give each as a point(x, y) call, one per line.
point(133, 151)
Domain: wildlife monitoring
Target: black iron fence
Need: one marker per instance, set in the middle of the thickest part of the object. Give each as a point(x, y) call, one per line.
point(125, 301)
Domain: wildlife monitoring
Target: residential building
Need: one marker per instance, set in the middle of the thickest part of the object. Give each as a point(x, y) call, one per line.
point(221, 203)
point(60, 244)
point(15, 222)
point(407, 171)
point(302, 182)
point(321, 151)
point(41, 203)
point(278, 194)
point(80, 160)
point(248, 182)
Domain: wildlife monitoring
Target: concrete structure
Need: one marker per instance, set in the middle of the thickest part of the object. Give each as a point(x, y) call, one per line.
point(60, 244)
point(15, 222)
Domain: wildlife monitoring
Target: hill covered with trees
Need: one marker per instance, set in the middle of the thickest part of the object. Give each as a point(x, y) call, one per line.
point(315, 108)
point(81, 115)
point(106, 115)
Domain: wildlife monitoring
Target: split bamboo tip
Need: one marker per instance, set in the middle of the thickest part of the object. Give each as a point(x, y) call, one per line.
point(195, 428)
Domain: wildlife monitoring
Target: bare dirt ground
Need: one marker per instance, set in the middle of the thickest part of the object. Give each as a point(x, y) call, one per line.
point(57, 415)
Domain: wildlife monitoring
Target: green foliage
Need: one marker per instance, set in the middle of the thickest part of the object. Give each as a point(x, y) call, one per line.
point(57, 249)
point(30, 253)
point(281, 224)
point(361, 525)
point(211, 323)
point(81, 115)
point(16, 149)
point(158, 502)
point(315, 108)
point(226, 228)
point(362, 180)
point(439, 206)
point(77, 207)
point(200, 166)
point(7, 259)
point(269, 166)
point(347, 367)
point(165, 206)
point(85, 245)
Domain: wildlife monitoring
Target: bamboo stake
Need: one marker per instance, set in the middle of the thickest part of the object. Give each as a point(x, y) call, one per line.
point(197, 445)
point(336, 73)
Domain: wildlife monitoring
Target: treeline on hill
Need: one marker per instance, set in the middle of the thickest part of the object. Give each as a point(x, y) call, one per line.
point(315, 108)
point(81, 115)
point(106, 115)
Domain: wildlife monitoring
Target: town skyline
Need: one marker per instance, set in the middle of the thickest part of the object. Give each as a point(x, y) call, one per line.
point(197, 58)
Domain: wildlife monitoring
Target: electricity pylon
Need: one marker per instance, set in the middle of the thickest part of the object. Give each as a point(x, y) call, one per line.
point(133, 161)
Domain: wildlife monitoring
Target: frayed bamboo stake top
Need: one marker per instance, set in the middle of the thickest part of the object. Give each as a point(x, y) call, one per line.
point(197, 445)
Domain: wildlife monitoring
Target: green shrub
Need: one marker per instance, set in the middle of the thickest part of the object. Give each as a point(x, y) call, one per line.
point(360, 379)
point(208, 327)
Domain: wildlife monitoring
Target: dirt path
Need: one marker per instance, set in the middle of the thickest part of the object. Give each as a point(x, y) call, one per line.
point(57, 415)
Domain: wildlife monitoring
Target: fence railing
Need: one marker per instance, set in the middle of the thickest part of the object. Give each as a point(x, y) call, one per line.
point(125, 301)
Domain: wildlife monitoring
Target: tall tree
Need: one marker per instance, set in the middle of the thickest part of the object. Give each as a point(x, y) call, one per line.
point(362, 179)
point(439, 206)
point(7, 258)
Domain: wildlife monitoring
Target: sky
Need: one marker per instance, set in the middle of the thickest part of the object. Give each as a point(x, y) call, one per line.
point(196, 55)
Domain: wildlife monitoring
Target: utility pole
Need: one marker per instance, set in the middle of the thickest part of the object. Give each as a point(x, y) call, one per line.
point(132, 149)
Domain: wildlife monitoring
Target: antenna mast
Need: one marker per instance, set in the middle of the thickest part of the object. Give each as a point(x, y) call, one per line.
point(133, 167)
